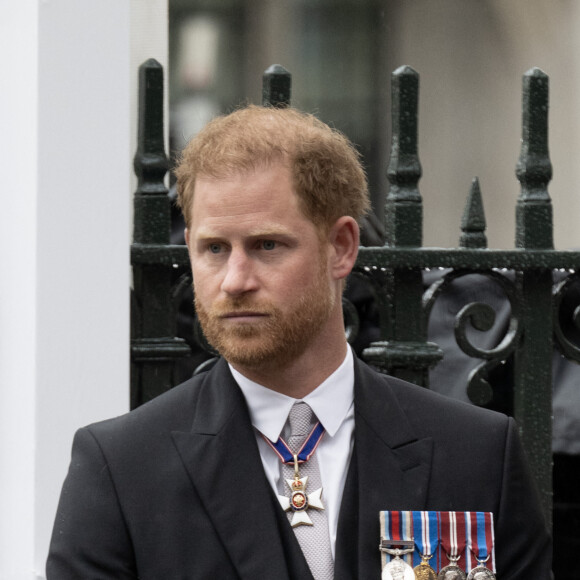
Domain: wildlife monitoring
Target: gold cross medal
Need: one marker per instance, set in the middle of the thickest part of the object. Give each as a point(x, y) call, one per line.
point(299, 501)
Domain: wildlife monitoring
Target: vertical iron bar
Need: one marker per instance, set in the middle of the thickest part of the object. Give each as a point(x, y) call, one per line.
point(405, 353)
point(533, 376)
point(153, 346)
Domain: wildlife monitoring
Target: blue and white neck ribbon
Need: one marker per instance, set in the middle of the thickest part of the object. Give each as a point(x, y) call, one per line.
point(480, 539)
point(426, 536)
point(304, 453)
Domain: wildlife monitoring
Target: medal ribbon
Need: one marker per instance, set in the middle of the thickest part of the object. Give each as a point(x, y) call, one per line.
point(453, 537)
point(397, 526)
point(426, 535)
point(305, 453)
point(480, 539)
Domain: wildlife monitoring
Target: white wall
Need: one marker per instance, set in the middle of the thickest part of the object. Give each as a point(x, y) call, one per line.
point(65, 106)
point(18, 119)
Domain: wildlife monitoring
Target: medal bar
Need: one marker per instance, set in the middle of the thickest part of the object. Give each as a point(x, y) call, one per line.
point(441, 545)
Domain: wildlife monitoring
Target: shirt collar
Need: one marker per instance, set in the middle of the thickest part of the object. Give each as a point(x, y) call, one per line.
point(330, 401)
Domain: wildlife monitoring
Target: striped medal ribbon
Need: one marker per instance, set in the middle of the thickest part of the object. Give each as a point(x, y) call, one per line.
point(426, 534)
point(396, 541)
point(480, 544)
point(453, 541)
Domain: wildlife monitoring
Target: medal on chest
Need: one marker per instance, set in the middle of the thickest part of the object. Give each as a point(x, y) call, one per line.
point(426, 535)
point(453, 541)
point(448, 545)
point(299, 501)
point(480, 545)
point(396, 542)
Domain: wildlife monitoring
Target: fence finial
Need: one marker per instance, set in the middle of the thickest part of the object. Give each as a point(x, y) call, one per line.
point(403, 207)
point(473, 222)
point(534, 227)
point(276, 87)
point(152, 222)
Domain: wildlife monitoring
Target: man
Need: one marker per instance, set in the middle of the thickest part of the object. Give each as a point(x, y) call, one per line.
point(191, 485)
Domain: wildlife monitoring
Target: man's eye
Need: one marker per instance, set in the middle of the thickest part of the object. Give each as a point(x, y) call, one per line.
point(215, 248)
point(268, 245)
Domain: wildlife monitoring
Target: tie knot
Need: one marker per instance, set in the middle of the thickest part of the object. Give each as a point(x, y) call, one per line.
point(300, 419)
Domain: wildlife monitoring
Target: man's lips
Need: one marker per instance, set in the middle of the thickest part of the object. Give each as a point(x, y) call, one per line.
point(244, 315)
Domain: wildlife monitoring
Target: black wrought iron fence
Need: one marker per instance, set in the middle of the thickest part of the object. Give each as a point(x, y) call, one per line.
point(395, 271)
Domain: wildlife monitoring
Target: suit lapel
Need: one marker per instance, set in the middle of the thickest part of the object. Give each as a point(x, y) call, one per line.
point(389, 469)
point(391, 473)
point(223, 462)
point(346, 552)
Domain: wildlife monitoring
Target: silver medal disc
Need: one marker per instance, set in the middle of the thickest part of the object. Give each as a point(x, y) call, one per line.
point(451, 572)
point(398, 569)
point(481, 573)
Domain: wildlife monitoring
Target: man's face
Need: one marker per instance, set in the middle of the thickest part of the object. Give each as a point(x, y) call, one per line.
point(262, 288)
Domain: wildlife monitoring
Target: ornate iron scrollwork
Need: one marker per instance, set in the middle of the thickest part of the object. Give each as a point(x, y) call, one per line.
point(480, 316)
point(567, 316)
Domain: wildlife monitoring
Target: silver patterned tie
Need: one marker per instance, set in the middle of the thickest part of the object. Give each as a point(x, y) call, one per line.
point(314, 540)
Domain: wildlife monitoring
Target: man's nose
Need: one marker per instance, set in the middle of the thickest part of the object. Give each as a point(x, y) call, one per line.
point(239, 276)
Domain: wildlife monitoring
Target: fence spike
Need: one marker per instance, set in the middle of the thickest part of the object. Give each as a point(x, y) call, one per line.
point(473, 222)
point(534, 228)
point(152, 222)
point(276, 87)
point(403, 207)
point(150, 161)
point(154, 347)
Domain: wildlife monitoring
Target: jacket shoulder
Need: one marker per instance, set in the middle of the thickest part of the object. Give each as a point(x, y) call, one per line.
point(172, 410)
point(427, 409)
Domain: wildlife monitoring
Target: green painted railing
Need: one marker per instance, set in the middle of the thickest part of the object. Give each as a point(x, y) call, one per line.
point(394, 271)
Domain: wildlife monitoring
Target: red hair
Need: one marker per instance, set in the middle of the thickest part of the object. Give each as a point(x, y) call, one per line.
point(326, 170)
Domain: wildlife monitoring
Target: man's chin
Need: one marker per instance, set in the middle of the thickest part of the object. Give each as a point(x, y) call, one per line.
point(257, 355)
point(251, 360)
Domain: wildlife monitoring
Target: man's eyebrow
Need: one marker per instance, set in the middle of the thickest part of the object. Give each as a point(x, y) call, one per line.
point(205, 235)
point(258, 232)
point(267, 231)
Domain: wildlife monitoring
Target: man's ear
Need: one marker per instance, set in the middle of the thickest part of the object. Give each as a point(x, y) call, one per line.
point(186, 232)
point(344, 241)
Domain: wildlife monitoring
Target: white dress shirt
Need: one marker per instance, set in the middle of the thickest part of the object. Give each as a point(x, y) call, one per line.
point(333, 404)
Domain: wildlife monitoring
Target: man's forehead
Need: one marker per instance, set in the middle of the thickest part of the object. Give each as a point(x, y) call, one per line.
point(267, 191)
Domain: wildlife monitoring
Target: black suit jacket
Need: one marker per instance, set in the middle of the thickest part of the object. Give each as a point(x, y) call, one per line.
point(176, 488)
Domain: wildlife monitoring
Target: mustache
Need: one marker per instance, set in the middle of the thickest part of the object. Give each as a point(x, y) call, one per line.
point(239, 305)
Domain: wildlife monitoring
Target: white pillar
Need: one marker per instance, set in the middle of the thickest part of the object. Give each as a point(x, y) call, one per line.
point(64, 251)
point(18, 119)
